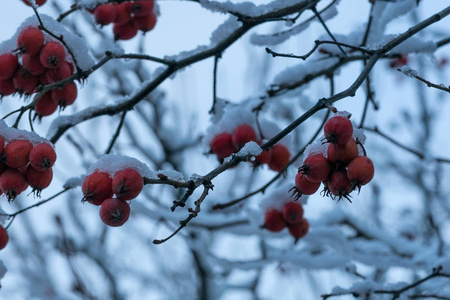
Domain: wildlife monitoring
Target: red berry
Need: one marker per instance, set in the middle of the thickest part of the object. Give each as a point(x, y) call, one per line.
point(398, 62)
point(2, 144)
point(273, 220)
point(12, 183)
point(222, 145)
point(38, 180)
point(42, 157)
point(7, 87)
point(279, 157)
point(338, 130)
point(8, 65)
point(343, 153)
point(16, 153)
point(140, 8)
point(122, 15)
point(97, 187)
point(339, 185)
point(242, 135)
point(105, 14)
point(32, 64)
point(3, 237)
point(65, 96)
point(303, 186)
point(52, 55)
point(58, 74)
point(30, 41)
point(38, 2)
point(299, 230)
point(124, 31)
point(145, 23)
point(360, 171)
point(114, 212)
point(45, 106)
point(292, 212)
point(316, 168)
point(127, 184)
point(24, 82)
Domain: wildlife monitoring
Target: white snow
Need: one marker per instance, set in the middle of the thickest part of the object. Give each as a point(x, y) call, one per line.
point(408, 71)
point(11, 134)
point(111, 163)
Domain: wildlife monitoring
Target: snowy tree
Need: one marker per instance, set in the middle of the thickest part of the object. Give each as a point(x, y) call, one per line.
point(205, 149)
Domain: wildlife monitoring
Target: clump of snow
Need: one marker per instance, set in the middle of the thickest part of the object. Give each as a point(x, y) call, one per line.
point(358, 133)
point(74, 182)
point(76, 44)
point(251, 148)
point(170, 174)
point(10, 134)
point(111, 163)
point(318, 147)
point(408, 71)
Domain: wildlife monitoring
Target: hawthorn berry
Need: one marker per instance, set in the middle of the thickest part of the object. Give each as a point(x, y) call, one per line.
point(105, 14)
point(58, 74)
point(292, 212)
point(360, 171)
point(279, 157)
point(127, 184)
point(145, 23)
point(338, 130)
point(3, 237)
point(45, 106)
point(97, 187)
point(243, 134)
point(303, 186)
point(2, 143)
point(32, 64)
point(38, 180)
point(8, 65)
point(125, 31)
point(339, 185)
point(24, 82)
point(6, 87)
point(315, 168)
point(122, 15)
point(42, 157)
point(52, 55)
point(273, 220)
point(16, 153)
point(65, 96)
point(343, 153)
point(38, 2)
point(114, 212)
point(12, 183)
point(222, 145)
point(30, 41)
point(299, 230)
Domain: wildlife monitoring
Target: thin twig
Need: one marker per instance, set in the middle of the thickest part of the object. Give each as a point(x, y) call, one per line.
point(327, 29)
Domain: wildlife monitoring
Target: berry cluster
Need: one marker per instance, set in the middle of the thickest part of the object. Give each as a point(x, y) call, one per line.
point(23, 164)
point(225, 144)
point(38, 2)
point(128, 17)
point(399, 62)
point(99, 188)
point(342, 170)
point(39, 62)
point(4, 238)
point(291, 216)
